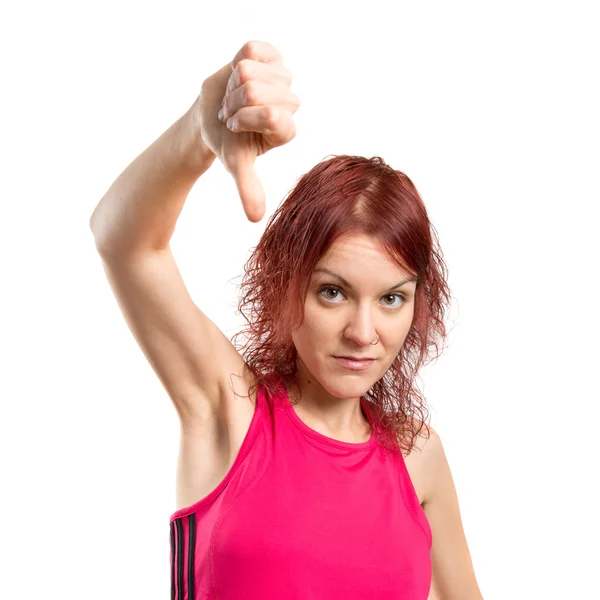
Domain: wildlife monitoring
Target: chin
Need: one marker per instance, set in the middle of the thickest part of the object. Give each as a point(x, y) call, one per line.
point(350, 384)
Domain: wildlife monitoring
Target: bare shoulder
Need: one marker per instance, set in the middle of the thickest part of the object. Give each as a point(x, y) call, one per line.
point(419, 461)
point(453, 573)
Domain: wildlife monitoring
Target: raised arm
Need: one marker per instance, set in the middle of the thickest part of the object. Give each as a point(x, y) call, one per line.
point(134, 221)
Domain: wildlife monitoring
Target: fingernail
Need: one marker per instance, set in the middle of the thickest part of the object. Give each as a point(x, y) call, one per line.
point(220, 115)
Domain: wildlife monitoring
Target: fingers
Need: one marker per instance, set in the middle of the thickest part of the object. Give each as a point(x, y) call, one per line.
point(247, 70)
point(273, 122)
point(258, 93)
point(257, 50)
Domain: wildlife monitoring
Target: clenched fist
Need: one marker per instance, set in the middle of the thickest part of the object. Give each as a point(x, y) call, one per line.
point(244, 110)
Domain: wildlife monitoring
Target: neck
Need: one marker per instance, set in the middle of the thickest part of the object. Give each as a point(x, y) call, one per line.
point(333, 416)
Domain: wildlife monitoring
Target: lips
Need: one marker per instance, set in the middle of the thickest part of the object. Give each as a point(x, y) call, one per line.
point(353, 364)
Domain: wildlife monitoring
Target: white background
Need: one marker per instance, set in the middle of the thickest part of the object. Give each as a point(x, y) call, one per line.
point(490, 108)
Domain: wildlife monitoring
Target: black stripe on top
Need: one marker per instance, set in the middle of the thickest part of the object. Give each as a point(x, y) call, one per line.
point(180, 557)
point(172, 561)
point(191, 555)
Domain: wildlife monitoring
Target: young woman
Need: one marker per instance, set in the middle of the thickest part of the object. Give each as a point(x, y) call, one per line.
point(306, 468)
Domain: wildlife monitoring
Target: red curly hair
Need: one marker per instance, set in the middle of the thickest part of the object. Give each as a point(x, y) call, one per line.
point(338, 197)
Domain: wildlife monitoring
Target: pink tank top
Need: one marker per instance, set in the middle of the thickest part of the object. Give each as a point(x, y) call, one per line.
point(301, 516)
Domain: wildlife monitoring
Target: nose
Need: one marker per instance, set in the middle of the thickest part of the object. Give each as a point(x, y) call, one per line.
point(361, 329)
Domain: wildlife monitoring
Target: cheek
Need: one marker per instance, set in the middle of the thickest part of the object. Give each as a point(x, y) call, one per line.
point(310, 334)
point(400, 336)
point(315, 332)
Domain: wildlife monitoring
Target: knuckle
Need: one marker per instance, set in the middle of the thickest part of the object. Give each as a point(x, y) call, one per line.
point(250, 49)
point(251, 92)
point(272, 117)
point(244, 68)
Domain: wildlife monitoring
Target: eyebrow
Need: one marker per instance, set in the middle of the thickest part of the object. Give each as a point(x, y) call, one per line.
point(349, 285)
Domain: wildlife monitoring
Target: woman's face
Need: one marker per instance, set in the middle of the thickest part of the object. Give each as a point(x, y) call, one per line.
point(343, 318)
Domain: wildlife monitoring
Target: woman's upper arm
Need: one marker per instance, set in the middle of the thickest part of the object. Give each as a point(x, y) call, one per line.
point(190, 355)
point(453, 573)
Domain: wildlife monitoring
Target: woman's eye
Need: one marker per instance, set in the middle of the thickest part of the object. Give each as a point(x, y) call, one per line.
point(336, 291)
point(329, 289)
point(400, 296)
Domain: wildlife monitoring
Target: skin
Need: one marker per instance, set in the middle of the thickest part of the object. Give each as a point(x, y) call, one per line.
point(345, 322)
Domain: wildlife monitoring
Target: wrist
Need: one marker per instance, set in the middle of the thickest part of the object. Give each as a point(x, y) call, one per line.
point(196, 153)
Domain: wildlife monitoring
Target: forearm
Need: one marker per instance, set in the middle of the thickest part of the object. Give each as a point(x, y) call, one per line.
point(141, 208)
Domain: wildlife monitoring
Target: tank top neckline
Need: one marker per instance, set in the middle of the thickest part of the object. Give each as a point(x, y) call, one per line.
point(289, 407)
